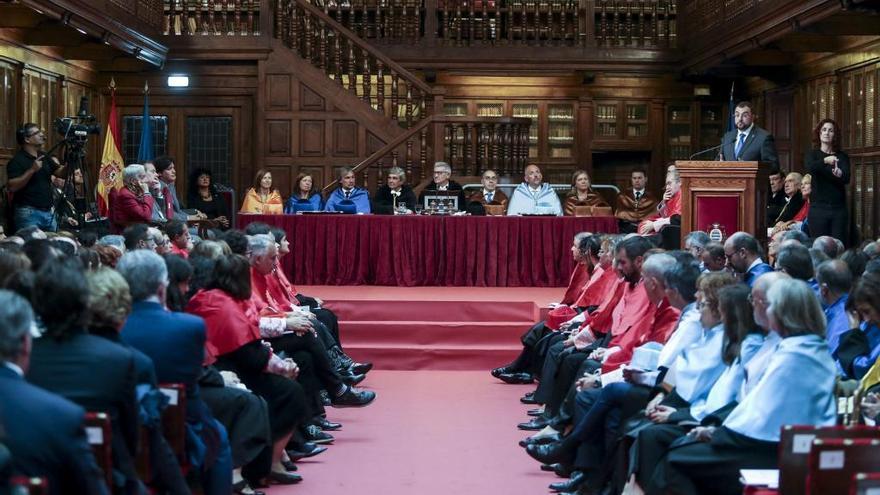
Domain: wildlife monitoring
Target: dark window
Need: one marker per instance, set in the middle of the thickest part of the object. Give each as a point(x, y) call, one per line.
point(209, 146)
point(131, 136)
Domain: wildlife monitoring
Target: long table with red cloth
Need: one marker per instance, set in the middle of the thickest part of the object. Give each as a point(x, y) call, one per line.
point(410, 250)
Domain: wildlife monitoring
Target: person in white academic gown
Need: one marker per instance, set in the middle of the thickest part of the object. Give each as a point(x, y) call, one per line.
point(796, 388)
point(533, 196)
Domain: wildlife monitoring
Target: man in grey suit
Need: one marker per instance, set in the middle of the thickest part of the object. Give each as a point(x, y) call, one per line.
point(748, 142)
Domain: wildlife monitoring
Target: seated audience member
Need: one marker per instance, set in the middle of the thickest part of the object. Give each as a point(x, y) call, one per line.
point(234, 344)
point(794, 200)
point(160, 239)
point(167, 173)
point(163, 208)
point(490, 194)
point(443, 185)
point(179, 238)
point(137, 236)
point(817, 256)
point(635, 204)
point(395, 196)
point(859, 348)
point(204, 197)
point(348, 197)
point(44, 432)
point(799, 220)
point(131, 203)
point(856, 260)
point(696, 242)
point(776, 201)
point(796, 389)
point(796, 235)
point(835, 282)
point(305, 196)
point(602, 280)
point(833, 248)
point(741, 251)
point(262, 198)
point(179, 275)
point(581, 193)
point(584, 251)
point(668, 214)
point(109, 305)
point(65, 359)
point(175, 344)
point(712, 258)
point(66, 212)
point(795, 260)
point(533, 196)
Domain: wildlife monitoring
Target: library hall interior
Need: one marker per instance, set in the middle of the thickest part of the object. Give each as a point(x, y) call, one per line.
point(439, 247)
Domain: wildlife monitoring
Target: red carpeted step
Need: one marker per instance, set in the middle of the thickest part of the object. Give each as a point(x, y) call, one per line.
point(425, 357)
point(432, 310)
point(451, 333)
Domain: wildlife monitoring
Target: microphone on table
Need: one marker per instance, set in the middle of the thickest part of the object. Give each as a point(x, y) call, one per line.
point(706, 151)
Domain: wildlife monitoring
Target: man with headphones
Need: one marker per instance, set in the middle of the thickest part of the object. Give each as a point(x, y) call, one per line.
point(30, 179)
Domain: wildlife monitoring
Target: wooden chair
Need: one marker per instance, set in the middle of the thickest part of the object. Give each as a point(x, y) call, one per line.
point(834, 462)
point(174, 420)
point(21, 485)
point(795, 444)
point(865, 484)
point(100, 435)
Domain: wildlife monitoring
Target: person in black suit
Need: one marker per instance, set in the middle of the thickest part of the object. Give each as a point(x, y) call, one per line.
point(443, 186)
point(155, 331)
point(748, 142)
point(89, 370)
point(395, 194)
point(777, 199)
point(44, 432)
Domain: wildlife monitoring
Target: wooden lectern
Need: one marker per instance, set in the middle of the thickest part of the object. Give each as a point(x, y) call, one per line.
point(732, 195)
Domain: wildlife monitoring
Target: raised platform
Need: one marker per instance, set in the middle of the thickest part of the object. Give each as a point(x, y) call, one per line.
point(442, 328)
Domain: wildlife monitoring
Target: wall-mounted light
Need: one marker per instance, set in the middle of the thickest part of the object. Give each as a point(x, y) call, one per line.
point(702, 90)
point(178, 81)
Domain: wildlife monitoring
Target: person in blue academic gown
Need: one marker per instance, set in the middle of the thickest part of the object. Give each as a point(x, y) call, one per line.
point(348, 198)
point(533, 196)
point(797, 388)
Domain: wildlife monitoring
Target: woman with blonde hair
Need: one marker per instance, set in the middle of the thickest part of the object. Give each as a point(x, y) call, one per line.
point(581, 193)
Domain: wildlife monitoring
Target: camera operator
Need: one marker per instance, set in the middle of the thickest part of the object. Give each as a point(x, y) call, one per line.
point(30, 179)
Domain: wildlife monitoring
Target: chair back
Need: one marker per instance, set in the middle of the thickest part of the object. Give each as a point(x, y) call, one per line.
point(100, 436)
point(865, 484)
point(795, 444)
point(174, 419)
point(834, 462)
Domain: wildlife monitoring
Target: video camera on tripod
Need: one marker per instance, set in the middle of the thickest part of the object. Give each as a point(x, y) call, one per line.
point(78, 128)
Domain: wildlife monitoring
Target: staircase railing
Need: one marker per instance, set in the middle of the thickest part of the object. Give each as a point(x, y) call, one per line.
point(469, 144)
point(213, 17)
point(353, 63)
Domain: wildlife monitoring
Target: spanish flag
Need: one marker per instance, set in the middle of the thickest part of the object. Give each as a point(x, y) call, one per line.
point(112, 163)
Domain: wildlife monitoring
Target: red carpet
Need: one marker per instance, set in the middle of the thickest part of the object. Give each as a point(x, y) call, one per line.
point(443, 328)
point(428, 433)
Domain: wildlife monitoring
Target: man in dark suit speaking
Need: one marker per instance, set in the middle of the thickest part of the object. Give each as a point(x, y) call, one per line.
point(748, 142)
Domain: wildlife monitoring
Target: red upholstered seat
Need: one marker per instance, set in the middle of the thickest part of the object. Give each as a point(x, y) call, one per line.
point(100, 436)
point(795, 444)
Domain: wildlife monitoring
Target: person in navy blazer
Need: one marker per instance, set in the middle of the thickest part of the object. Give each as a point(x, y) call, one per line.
point(743, 256)
point(175, 342)
point(43, 431)
point(748, 142)
point(89, 370)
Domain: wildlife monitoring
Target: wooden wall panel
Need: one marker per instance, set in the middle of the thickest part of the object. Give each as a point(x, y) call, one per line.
point(278, 136)
point(311, 138)
point(278, 92)
point(282, 179)
point(310, 100)
point(9, 120)
point(40, 101)
point(319, 176)
point(345, 138)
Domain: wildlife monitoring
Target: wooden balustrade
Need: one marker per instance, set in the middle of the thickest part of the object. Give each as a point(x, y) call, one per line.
point(635, 23)
point(212, 17)
point(351, 62)
point(469, 144)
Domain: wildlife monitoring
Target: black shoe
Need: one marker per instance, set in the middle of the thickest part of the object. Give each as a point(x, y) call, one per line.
point(313, 433)
point(536, 412)
point(361, 368)
point(279, 478)
point(525, 442)
point(326, 425)
point(353, 398)
point(573, 484)
point(536, 424)
point(529, 398)
point(299, 451)
point(516, 378)
point(497, 372)
point(350, 378)
point(546, 454)
point(289, 465)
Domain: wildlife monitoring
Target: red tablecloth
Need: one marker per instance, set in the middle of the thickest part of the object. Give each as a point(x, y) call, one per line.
point(430, 250)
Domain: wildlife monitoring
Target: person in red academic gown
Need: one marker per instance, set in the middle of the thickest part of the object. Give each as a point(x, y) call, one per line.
point(668, 211)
